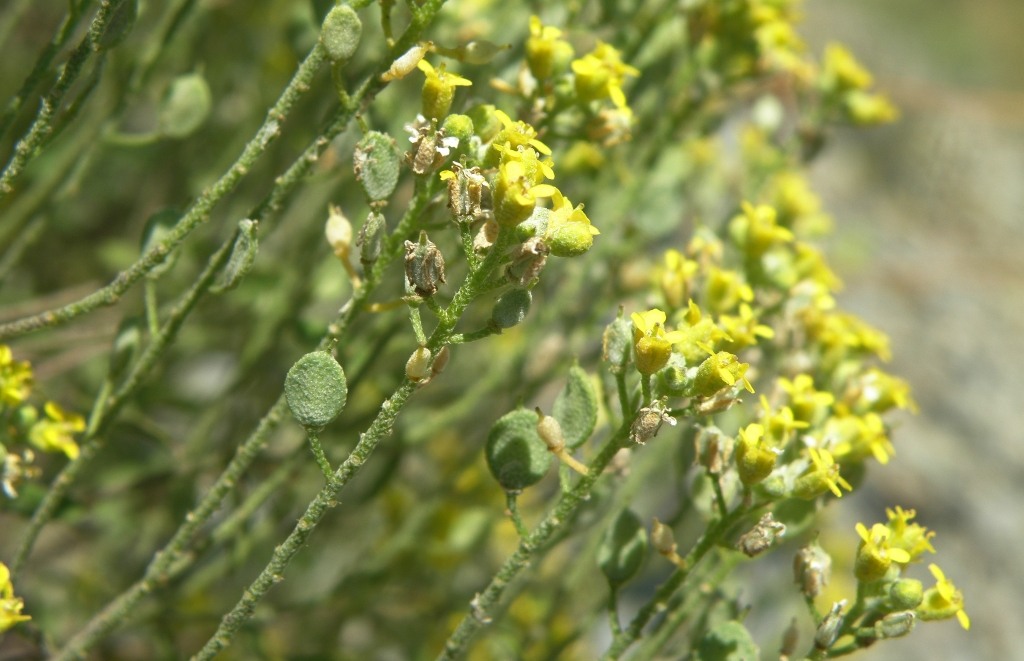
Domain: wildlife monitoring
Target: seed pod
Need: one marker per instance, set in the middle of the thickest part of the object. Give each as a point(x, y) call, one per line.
point(527, 261)
point(812, 569)
point(516, 456)
point(622, 549)
point(896, 625)
point(371, 235)
point(185, 107)
point(617, 343)
point(511, 308)
point(830, 625)
point(424, 266)
point(761, 537)
point(316, 389)
point(376, 163)
point(575, 408)
point(340, 33)
point(243, 255)
point(406, 62)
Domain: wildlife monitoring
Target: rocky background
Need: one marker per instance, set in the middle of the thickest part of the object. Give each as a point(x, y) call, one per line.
point(934, 256)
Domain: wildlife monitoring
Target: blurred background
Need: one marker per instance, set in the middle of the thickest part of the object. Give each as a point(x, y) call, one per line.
point(933, 256)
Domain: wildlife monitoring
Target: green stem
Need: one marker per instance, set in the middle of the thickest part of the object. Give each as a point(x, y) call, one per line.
point(512, 505)
point(199, 212)
point(325, 499)
point(174, 557)
point(45, 59)
point(92, 443)
point(318, 454)
point(28, 146)
point(708, 540)
point(530, 546)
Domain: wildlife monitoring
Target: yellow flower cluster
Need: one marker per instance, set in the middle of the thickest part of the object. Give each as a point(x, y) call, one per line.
point(54, 432)
point(10, 606)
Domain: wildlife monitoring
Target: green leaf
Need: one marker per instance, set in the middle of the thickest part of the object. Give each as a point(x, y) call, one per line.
point(575, 408)
point(243, 254)
point(728, 641)
point(623, 548)
point(515, 454)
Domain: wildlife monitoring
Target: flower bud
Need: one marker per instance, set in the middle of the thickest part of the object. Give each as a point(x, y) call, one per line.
point(338, 232)
point(417, 368)
point(459, 126)
point(662, 538)
point(896, 625)
point(550, 432)
point(424, 266)
point(906, 593)
point(406, 62)
point(440, 362)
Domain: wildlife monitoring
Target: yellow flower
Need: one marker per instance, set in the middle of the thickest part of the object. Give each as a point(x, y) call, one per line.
point(515, 194)
point(780, 424)
point(547, 53)
point(720, 370)
point(600, 74)
point(842, 71)
point(744, 329)
point(868, 109)
point(854, 437)
point(913, 538)
point(724, 289)
point(699, 333)
point(511, 137)
point(808, 404)
point(756, 230)
point(674, 278)
point(10, 606)
point(15, 378)
point(823, 475)
point(876, 553)
point(943, 601)
point(879, 392)
point(439, 89)
point(652, 343)
point(54, 434)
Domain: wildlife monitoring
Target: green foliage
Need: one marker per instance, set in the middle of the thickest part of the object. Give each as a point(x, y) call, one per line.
point(678, 321)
